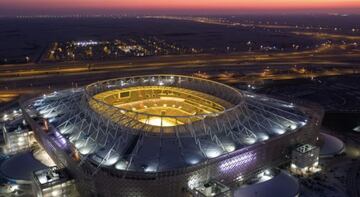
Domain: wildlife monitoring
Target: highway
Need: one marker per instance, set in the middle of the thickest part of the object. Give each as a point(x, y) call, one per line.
point(326, 60)
point(324, 56)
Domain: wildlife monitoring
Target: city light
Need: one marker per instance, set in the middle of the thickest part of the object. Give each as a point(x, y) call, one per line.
point(85, 43)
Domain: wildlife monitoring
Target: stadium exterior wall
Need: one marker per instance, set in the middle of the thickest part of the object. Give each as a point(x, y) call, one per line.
point(110, 182)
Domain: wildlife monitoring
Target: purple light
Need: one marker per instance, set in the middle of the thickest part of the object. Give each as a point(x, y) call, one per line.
point(239, 161)
point(60, 140)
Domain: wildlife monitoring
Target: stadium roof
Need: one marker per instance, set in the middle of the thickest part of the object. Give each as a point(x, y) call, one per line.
point(111, 136)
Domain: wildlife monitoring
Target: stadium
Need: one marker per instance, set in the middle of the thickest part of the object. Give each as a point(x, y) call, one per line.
point(165, 134)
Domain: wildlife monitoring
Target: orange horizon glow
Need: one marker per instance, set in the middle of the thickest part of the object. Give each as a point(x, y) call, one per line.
point(181, 4)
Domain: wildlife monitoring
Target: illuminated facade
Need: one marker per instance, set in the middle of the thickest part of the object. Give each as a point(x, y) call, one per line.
point(305, 159)
point(212, 188)
point(168, 134)
point(17, 140)
point(53, 182)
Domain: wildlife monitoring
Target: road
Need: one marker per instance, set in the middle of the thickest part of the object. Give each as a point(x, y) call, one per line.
point(326, 60)
point(326, 55)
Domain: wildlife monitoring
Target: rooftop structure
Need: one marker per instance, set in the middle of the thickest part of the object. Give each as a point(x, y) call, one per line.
point(306, 148)
point(212, 188)
point(52, 182)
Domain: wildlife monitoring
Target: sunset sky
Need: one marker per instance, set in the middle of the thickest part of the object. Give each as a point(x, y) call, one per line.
point(211, 5)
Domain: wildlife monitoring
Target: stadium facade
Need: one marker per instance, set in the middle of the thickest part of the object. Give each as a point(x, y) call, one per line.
point(165, 135)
